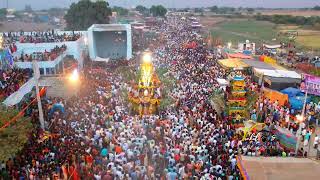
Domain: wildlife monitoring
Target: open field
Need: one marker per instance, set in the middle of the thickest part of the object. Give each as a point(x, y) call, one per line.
point(291, 12)
point(211, 21)
point(240, 30)
point(308, 39)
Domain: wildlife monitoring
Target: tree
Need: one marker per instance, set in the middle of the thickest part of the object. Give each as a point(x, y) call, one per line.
point(198, 10)
point(3, 13)
point(317, 8)
point(28, 8)
point(143, 10)
point(214, 9)
point(250, 10)
point(83, 14)
point(56, 11)
point(120, 10)
point(158, 11)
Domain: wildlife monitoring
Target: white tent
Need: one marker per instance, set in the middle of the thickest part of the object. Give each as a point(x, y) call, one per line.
point(278, 73)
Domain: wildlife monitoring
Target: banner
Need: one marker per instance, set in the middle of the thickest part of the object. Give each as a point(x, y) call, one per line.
point(310, 84)
point(286, 138)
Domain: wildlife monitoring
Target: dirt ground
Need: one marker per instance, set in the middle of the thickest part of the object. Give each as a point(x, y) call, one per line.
point(269, 168)
point(209, 22)
point(17, 26)
point(291, 12)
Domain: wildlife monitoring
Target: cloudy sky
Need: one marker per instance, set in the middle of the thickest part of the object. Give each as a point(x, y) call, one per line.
point(44, 4)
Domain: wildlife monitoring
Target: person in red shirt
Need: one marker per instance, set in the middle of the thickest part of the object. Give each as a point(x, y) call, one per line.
point(89, 160)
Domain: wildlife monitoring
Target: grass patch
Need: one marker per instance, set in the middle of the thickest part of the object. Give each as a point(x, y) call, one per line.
point(13, 138)
point(309, 42)
point(241, 30)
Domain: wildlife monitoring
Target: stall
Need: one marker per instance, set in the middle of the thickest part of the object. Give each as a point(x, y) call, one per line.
point(277, 79)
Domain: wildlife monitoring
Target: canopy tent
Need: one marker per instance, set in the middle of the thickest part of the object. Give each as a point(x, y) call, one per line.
point(258, 64)
point(277, 73)
point(277, 83)
point(239, 55)
point(271, 61)
point(233, 63)
point(291, 91)
point(277, 79)
point(295, 103)
point(276, 96)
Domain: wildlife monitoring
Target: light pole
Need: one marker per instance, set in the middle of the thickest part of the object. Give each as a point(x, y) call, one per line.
point(36, 75)
point(301, 118)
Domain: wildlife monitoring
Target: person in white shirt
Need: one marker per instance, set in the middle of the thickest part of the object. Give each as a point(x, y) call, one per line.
point(316, 142)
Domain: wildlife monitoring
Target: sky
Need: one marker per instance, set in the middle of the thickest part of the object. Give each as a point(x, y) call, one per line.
point(45, 4)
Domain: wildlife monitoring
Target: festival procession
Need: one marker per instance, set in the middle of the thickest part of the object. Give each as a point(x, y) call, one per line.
point(158, 101)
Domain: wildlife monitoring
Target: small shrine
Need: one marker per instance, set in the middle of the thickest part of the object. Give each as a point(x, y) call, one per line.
point(237, 100)
point(146, 95)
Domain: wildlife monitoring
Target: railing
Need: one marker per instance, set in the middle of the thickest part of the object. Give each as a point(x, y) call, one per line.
point(42, 64)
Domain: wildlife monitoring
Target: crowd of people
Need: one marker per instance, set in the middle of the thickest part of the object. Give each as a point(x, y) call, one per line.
point(39, 37)
point(273, 113)
point(93, 136)
point(42, 56)
point(11, 80)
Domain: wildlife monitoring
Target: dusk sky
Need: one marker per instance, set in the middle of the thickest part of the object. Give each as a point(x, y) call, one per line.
point(44, 4)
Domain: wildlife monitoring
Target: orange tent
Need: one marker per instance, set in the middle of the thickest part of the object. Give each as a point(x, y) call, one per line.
point(276, 95)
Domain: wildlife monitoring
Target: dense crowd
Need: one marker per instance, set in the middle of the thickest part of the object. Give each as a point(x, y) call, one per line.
point(93, 136)
point(11, 80)
point(281, 115)
point(39, 37)
point(43, 56)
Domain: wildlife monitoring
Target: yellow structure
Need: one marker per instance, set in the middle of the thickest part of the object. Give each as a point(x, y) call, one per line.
point(233, 63)
point(145, 97)
point(237, 98)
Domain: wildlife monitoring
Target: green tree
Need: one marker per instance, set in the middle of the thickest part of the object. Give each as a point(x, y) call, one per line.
point(158, 11)
point(143, 10)
point(250, 10)
point(214, 9)
point(317, 8)
point(56, 11)
point(198, 10)
point(83, 14)
point(28, 8)
point(120, 10)
point(3, 13)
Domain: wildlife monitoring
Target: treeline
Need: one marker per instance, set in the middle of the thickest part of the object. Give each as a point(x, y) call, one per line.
point(289, 19)
point(155, 10)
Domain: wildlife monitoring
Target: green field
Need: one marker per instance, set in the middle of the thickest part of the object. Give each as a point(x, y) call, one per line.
point(241, 30)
